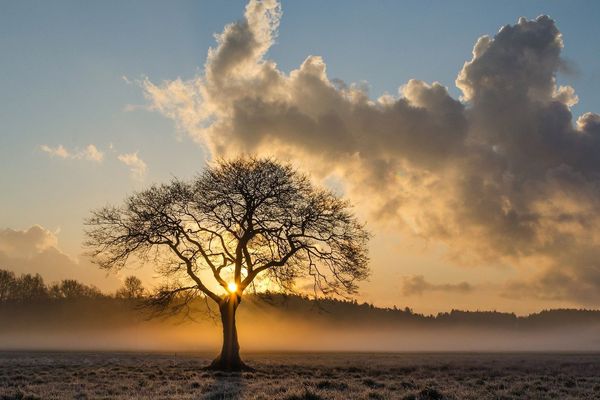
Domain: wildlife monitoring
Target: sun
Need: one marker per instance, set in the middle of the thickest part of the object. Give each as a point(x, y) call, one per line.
point(232, 287)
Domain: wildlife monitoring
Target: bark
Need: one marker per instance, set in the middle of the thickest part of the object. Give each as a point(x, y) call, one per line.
point(229, 359)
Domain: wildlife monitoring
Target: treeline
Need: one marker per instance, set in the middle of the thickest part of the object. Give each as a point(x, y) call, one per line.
point(32, 288)
point(352, 311)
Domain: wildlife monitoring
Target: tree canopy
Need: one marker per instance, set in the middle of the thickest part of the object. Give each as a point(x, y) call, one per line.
point(235, 220)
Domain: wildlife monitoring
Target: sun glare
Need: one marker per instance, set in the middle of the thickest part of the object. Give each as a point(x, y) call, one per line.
point(232, 287)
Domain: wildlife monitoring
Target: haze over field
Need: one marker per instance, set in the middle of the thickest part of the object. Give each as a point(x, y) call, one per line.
point(293, 325)
point(73, 316)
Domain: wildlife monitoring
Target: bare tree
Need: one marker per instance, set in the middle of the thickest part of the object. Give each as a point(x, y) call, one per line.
point(236, 222)
point(72, 289)
point(132, 288)
point(31, 288)
point(8, 284)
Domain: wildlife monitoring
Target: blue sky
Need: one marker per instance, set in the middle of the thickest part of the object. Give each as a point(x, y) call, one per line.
point(63, 65)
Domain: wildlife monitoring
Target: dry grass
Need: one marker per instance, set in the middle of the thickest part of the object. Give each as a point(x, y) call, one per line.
point(304, 376)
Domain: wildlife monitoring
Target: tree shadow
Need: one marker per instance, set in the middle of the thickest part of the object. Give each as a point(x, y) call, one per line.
point(225, 385)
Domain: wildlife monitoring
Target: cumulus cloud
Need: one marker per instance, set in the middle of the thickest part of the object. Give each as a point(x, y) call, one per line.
point(500, 175)
point(417, 285)
point(16, 243)
point(36, 250)
point(137, 166)
point(90, 153)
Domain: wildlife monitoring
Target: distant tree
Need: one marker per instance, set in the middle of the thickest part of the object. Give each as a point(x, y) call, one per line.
point(132, 288)
point(55, 292)
point(235, 221)
point(30, 288)
point(8, 285)
point(72, 289)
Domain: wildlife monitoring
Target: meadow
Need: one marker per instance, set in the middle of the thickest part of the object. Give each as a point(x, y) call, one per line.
point(300, 376)
point(405, 355)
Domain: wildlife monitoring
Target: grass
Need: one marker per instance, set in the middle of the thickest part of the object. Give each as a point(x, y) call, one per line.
point(308, 376)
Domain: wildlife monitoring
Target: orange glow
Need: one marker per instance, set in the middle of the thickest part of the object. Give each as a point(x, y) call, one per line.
point(232, 287)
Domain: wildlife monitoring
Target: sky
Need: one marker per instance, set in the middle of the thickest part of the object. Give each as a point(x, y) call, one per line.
point(481, 190)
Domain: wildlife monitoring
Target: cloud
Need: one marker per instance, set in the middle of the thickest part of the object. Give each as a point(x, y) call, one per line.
point(502, 175)
point(137, 166)
point(90, 153)
point(58, 151)
point(417, 285)
point(36, 250)
point(15, 243)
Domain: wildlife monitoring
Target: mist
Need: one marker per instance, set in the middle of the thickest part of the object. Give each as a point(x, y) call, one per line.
point(295, 324)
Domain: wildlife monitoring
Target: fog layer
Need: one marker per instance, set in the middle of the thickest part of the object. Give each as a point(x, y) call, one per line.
point(290, 325)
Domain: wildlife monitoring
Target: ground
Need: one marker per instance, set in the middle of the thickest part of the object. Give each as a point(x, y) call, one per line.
point(297, 376)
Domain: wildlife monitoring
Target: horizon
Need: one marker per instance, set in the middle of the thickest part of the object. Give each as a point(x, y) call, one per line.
point(94, 293)
point(467, 211)
point(64, 318)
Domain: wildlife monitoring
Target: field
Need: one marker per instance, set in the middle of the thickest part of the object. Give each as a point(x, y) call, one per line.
point(297, 376)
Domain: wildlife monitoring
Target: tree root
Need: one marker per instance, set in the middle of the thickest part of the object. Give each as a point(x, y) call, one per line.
point(232, 366)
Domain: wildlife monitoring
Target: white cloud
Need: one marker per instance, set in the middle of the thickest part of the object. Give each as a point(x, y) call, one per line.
point(58, 151)
point(137, 166)
point(504, 176)
point(90, 153)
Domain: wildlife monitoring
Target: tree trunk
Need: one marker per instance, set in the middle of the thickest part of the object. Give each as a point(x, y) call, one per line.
point(229, 359)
